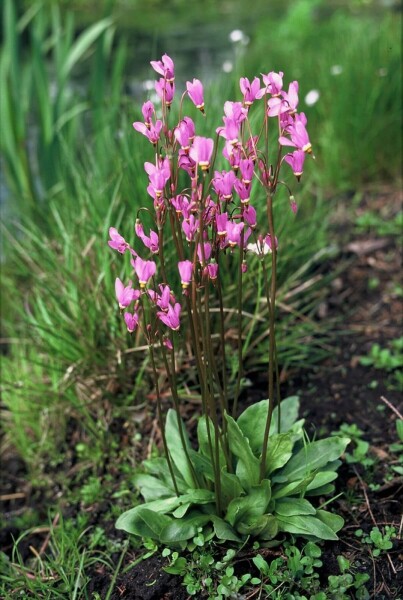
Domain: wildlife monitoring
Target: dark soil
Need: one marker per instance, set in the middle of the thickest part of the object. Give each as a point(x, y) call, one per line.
point(338, 391)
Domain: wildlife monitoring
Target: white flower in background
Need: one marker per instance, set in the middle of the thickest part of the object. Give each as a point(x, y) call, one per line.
point(336, 70)
point(312, 97)
point(148, 85)
point(382, 72)
point(238, 37)
point(227, 66)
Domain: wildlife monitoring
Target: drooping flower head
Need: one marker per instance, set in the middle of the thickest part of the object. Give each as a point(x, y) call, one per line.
point(164, 67)
point(185, 133)
point(150, 130)
point(195, 93)
point(125, 294)
point(249, 89)
point(273, 82)
point(117, 242)
point(165, 90)
point(171, 318)
point(145, 269)
point(296, 161)
point(185, 268)
point(201, 151)
point(131, 321)
point(151, 242)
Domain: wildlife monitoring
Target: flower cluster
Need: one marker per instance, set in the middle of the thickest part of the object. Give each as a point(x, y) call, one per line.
point(212, 212)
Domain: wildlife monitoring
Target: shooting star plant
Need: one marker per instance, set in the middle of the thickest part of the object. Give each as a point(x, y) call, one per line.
point(251, 472)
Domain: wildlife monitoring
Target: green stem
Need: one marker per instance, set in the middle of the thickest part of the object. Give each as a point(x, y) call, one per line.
point(239, 303)
point(272, 332)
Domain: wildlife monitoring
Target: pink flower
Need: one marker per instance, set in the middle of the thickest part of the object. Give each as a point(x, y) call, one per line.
point(117, 242)
point(230, 131)
point(131, 320)
point(185, 132)
point(164, 67)
point(125, 295)
point(190, 227)
point(151, 242)
point(151, 131)
point(206, 252)
point(235, 111)
point(246, 166)
point(195, 93)
point(249, 215)
point(223, 183)
point(148, 111)
point(273, 82)
point(145, 269)
point(234, 231)
point(249, 90)
point(158, 176)
point(221, 223)
point(296, 162)
point(171, 317)
point(182, 206)
point(299, 135)
point(268, 241)
point(243, 190)
point(288, 102)
point(185, 271)
point(186, 163)
point(293, 205)
point(165, 90)
point(162, 300)
point(212, 270)
point(233, 154)
point(201, 151)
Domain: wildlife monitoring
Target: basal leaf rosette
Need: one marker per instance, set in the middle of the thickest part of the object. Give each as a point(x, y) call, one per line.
point(297, 471)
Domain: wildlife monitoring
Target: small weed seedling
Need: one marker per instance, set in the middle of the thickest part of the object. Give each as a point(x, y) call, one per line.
point(389, 360)
point(378, 541)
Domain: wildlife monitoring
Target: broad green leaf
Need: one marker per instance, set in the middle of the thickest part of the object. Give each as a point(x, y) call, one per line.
point(306, 525)
point(247, 469)
point(164, 505)
point(199, 496)
point(230, 484)
point(252, 421)
point(176, 448)
point(322, 478)
point(230, 487)
point(143, 522)
point(179, 530)
point(251, 506)
point(292, 488)
point(333, 521)
point(293, 506)
point(324, 490)
point(224, 531)
point(181, 510)
point(159, 467)
point(203, 439)
point(314, 456)
point(279, 451)
point(151, 488)
point(289, 409)
point(253, 526)
point(271, 529)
